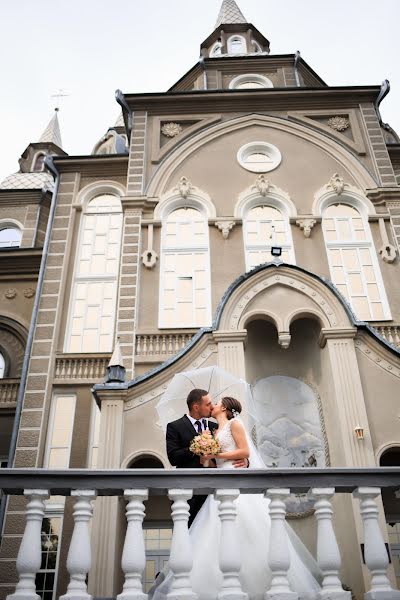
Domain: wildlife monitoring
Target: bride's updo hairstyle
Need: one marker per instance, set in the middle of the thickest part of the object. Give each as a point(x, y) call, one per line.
point(233, 406)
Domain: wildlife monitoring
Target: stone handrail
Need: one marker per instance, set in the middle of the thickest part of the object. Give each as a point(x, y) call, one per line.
point(391, 333)
point(8, 392)
point(136, 485)
point(161, 345)
point(91, 367)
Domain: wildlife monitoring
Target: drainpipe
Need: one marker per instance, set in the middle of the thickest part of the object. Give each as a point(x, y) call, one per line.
point(24, 374)
point(385, 89)
point(297, 58)
point(126, 110)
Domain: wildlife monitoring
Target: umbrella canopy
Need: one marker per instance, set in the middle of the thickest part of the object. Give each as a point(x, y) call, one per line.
point(217, 382)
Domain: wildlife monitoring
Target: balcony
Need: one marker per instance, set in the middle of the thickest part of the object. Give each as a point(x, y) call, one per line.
point(136, 486)
point(8, 393)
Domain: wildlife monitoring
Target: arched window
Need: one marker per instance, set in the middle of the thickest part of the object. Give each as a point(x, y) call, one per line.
point(2, 366)
point(216, 50)
point(38, 163)
point(94, 295)
point(237, 45)
point(250, 81)
point(264, 227)
point(10, 237)
point(352, 261)
point(185, 287)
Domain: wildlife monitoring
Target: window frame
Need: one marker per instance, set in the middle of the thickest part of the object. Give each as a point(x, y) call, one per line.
point(240, 79)
point(50, 429)
point(179, 250)
point(357, 244)
point(11, 224)
point(232, 39)
point(58, 513)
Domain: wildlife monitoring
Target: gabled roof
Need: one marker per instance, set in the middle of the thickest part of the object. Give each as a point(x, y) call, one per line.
point(229, 13)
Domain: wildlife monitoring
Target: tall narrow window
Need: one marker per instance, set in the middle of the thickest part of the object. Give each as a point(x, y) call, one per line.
point(46, 578)
point(94, 296)
point(265, 227)
point(185, 287)
point(236, 45)
point(39, 163)
point(353, 263)
point(59, 436)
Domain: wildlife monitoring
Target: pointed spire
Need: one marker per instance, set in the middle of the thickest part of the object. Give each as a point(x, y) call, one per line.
point(116, 370)
point(52, 132)
point(230, 13)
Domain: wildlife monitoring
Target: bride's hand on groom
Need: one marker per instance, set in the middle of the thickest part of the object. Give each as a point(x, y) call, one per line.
point(241, 463)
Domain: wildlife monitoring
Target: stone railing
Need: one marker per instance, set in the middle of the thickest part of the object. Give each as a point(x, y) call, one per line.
point(391, 333)
point(8, 392)
point(160, 346)
point(136, 485)
point(91, 367)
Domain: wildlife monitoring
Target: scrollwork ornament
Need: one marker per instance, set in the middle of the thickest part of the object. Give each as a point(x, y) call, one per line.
point(338, 123)
point(171, 130)
point(336, 183)
point(262, 185)
point(184, 187)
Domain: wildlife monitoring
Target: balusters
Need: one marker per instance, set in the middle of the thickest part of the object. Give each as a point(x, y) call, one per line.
point(30, 551)
point(181, 559)
point(151, 345)
point(79, 555)
point(278, 553)
point(134, 553)
point(328, 555)
point(375, 554)
point(164, 345)
point(229, 551)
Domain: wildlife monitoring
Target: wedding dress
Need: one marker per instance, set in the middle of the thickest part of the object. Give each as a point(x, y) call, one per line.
point(253, 527)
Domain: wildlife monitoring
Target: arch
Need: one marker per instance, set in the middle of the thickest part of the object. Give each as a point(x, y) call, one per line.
point(253, 315)
point(386, 448)
point(3, 365)
point(344, 157)
point(302, 313)
point(216, 49)
point(38, 161)
point(13, 338)
point(233, 44)
point(11, 232)
point(196, 198)
point(144, 453)
point(351, 195)
point(88, 192)
point(274, 196)
point(237, 82)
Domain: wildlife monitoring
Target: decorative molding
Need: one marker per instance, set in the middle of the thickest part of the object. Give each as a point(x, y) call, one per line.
point(184, 187)
point(336, 183)
point(81, 366)
point(306, 225)
point(8, 392)
point(335, 187)
point(339, 123)
point(276, 197)
point(171, 129)
point(10, 294)
point(262, 185)
point(378, 355)
point(225, 227)
point(161, 345)
point(387, 251)
point(149, 256)
point(191, 195)
point(29, 292)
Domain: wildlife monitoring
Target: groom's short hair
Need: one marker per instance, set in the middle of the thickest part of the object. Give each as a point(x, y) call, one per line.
point(195, 397)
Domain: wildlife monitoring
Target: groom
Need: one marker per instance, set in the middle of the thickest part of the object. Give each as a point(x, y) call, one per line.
point(181, 432)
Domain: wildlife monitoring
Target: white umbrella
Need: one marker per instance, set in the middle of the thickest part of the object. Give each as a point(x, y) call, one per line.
point(214, 380)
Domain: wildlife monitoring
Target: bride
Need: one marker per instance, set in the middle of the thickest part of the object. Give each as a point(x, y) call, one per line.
point(253, 527)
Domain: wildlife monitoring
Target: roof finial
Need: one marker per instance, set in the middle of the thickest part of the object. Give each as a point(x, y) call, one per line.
point(116, 370)
point(230, 13)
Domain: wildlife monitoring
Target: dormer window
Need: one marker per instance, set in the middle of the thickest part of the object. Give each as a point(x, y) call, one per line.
point(250, 80)
point(237, 45)
point(10, 237)
point(38, 163)
point(216, 50)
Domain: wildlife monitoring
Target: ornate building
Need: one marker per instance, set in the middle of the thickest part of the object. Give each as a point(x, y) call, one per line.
point(249, 218)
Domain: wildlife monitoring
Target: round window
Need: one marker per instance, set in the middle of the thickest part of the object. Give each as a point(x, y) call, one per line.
point(259, 157)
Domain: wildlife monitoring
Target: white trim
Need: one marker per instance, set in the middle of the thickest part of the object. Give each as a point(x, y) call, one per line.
point(275, 197)
point(172, 200)
point(240, 79)
point(262, 148)
point(144, 452)
point(97, 188)
point(351, 195)
point(51, 428)
point(362, 208)
point(213, 48)
point(384, 448)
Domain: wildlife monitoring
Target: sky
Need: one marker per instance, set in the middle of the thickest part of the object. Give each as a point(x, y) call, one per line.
point(89, 48)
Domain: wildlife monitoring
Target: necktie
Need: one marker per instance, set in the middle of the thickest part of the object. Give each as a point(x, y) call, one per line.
point(198, 425)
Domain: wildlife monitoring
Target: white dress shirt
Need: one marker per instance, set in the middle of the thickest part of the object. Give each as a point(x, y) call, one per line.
point(202, 421)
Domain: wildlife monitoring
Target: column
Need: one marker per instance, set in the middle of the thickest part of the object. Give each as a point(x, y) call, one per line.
point(181, 559)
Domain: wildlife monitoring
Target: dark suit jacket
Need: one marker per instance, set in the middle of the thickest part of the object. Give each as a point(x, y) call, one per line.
point(179, 435)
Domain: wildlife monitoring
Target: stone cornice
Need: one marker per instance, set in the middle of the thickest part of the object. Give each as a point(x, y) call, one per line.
point(384, 194)
point(230, 336)
point(341, 333)
point(10, 197)
point(93, 164)
point(280, 99)
point(21, 261)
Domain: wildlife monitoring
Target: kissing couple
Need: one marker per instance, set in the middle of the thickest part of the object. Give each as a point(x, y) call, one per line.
point(253, 522)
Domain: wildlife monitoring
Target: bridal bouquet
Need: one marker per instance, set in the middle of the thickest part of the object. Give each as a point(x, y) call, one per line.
point(204, 445)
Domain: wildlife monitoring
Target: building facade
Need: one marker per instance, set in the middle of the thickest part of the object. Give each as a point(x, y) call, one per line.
point(248, 218)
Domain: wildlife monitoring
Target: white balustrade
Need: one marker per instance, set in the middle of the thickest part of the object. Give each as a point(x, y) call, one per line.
point(181, 559)
point(79, 558)
point(328, 555)
point(134, 553)
point(278, 553)
point(229, 550)
point(375, 554)
point(30, 551)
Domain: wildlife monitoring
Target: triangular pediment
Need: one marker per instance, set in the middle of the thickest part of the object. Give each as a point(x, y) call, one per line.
point(341, 125)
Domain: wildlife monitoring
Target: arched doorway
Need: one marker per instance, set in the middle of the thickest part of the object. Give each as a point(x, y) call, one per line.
point(157, 525)
point(391, 505)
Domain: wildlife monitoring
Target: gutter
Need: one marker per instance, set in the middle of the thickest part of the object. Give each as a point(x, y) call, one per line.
point(49, 164)
point(126, 112)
